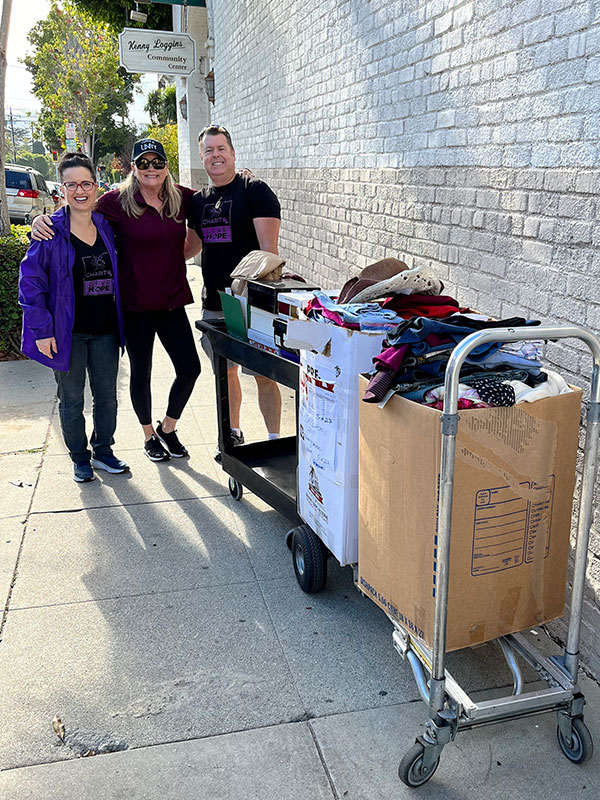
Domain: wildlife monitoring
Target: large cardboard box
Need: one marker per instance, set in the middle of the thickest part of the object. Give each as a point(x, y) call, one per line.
point(513, 490)
point(328, 431)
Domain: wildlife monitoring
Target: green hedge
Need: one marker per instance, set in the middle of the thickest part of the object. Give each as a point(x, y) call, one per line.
point(12, 251)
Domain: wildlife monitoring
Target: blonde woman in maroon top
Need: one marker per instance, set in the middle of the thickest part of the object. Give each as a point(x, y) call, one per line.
point(148, 214)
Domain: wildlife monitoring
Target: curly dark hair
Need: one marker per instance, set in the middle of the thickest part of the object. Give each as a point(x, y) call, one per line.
point(77, 159)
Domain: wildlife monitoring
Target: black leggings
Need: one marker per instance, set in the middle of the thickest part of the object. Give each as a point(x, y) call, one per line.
point(174, 331)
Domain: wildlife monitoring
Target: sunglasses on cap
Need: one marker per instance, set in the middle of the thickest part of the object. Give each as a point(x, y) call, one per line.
point(156, 163)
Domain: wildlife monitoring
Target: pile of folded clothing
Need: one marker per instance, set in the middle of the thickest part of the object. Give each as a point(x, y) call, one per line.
point(415, 355)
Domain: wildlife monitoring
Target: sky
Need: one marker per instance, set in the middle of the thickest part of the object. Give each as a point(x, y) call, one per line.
point(25, 14)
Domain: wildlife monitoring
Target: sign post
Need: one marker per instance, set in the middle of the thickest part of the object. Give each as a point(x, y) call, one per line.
point(70, 136)
point(165, 52)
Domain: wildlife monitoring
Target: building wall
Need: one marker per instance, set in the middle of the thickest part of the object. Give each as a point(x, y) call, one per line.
point(461, 134)
point(191, 171)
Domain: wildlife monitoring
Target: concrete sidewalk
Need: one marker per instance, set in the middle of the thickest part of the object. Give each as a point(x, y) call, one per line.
point(162, 621)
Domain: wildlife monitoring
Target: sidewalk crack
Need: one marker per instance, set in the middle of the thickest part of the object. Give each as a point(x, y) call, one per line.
point(323, 762)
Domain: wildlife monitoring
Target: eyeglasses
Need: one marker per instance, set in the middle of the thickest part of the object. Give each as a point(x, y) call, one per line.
point(87, 186)
point(156, 163)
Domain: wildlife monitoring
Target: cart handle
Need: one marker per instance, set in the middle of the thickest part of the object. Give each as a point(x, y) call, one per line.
point(469, 343)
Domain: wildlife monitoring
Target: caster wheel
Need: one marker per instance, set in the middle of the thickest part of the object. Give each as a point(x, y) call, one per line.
point(581, 746)
point(310, 560)
point(236, 489)
point(411, 770)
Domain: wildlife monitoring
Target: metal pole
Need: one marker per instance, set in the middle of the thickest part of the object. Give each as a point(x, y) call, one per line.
point(588, 480)
point(12, 128)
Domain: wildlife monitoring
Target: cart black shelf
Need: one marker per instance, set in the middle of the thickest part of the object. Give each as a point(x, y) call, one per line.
point(267, 468)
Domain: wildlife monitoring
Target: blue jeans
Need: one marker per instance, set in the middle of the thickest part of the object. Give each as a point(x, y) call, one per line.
point(99, 357)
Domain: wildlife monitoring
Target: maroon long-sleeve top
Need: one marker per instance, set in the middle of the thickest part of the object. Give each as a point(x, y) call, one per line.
point(152, 271)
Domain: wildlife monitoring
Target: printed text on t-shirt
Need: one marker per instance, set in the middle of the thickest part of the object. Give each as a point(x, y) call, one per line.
point(216, 223)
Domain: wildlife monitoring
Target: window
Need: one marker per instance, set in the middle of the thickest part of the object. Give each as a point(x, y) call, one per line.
point(17, 180)
point(41, 184)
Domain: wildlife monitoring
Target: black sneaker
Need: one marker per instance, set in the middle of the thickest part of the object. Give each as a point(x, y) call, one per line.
point(110, 463)
point(236, 439)
point(171, 442)
point(82, 472)
point(154, 449)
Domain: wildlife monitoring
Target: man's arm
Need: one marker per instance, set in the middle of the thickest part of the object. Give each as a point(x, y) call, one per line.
point(193, 244)
point(267, 232)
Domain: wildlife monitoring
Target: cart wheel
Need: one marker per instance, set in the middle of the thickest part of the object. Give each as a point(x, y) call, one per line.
point(411, 770)
point(581, 746)
point(310, 560)
point(236, 489)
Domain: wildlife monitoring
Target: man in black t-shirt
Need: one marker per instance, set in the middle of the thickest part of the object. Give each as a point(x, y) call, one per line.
point(231, 217)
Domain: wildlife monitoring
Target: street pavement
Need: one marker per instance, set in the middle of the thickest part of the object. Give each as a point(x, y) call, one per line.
point(161, 620)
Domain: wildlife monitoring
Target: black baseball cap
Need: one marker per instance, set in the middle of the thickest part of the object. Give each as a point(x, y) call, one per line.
point(145, 146)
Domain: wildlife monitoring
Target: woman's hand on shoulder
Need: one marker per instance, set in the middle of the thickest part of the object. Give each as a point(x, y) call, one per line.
point(41, 229)
point(244, 172)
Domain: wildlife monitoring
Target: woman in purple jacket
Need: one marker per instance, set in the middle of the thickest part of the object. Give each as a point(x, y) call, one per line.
point(72, 316)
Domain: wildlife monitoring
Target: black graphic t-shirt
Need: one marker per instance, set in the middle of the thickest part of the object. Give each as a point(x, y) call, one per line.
point(222, 216)
point(95, 309)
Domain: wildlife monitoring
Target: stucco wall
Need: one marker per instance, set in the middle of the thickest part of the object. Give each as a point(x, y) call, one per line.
point(463, 135)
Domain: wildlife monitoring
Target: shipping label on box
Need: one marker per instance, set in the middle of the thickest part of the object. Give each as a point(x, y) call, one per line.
point(319, 423)
point(514, 475)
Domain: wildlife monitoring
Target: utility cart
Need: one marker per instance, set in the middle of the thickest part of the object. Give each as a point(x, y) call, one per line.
point(267, 468)
point(451, 710)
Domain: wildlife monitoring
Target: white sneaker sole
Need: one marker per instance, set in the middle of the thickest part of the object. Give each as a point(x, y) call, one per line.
point(101, 465)
point(156, 458)
point(84, 480)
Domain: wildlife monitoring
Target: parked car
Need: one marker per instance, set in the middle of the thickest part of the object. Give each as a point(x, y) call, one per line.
point(56, 192)
point(27, 193)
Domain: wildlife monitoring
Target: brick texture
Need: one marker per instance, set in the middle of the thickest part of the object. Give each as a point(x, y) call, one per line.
point(459, 134)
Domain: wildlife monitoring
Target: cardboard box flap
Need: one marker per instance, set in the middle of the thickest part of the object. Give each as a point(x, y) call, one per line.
point(308, 335)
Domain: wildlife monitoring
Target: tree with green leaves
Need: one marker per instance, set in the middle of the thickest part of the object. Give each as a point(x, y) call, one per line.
point(167, 136)
point(41, 163)
point(76, 74)
point(162, 105)
point(116, 15)
point(16, 138)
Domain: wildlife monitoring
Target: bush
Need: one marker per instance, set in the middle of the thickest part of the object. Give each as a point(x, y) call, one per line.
point(12, 250)
point(37, 161)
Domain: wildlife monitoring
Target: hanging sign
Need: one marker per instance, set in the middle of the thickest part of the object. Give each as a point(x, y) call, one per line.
point(164, 52)
point(198, 3)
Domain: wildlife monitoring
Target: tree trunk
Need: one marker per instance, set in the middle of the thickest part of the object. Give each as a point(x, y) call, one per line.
point(4, 25)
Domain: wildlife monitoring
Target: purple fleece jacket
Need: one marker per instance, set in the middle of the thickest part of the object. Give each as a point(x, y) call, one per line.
point(46, 292)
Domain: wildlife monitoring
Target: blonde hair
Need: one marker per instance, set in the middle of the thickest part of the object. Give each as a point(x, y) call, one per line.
point(169, 194)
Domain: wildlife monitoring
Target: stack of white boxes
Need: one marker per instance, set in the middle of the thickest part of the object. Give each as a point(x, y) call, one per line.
point(331, 359)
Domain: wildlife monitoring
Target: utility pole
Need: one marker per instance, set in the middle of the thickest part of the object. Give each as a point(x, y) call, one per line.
point(12, 131)
point(4, 25)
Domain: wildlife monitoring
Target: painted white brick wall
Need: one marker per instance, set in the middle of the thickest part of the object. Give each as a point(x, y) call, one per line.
point(463, 134)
